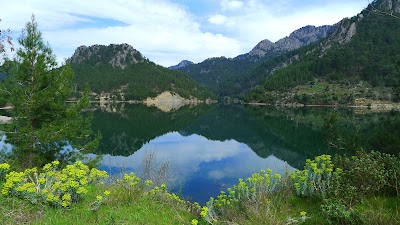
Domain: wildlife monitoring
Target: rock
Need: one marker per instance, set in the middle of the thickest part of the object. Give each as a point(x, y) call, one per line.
point(5, 119)
point(392, 6)
point(119, 56)
point(298, 38)
point(168, 101)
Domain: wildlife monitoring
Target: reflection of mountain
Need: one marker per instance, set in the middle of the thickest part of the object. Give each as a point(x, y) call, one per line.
point(125, 132)
point(265, 133)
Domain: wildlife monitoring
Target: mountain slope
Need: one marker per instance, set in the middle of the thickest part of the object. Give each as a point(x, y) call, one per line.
point(226, 76)
point(358, 60)
point(182, 64)
point(124, 71)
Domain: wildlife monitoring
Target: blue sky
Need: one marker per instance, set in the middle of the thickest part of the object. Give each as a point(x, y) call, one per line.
point(168, 31)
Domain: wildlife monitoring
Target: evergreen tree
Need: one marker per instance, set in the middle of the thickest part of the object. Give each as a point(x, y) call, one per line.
point(44, 123)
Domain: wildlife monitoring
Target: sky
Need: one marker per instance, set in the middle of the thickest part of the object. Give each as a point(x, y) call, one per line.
point(168, 31)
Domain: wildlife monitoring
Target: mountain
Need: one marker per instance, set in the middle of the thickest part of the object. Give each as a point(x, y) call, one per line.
point(356, 64)
point(125, 74)
point(230, 77)
point(297, 39)
point(182, 64)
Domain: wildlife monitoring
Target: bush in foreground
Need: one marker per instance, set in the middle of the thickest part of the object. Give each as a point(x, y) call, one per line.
point(316, 195)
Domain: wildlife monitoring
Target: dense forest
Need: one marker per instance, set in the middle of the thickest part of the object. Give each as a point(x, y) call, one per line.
point(112, 68)
point(232, 77)
point(369, 60)
point(223, 76)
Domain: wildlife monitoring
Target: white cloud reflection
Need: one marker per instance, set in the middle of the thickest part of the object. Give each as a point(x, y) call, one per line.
point(197, 156)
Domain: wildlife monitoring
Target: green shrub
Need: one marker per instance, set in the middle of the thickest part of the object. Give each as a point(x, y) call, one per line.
point(52, 186)
point(316, 178)
point(337, 213)
point(253, 190)
point(369, 173)
point(4, 167)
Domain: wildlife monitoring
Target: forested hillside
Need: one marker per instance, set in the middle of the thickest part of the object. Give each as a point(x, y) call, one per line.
point(125, 71)
point(359, 60)
point(231, 77)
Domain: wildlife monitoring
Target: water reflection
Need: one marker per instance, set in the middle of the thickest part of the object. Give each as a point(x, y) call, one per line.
point(3, 146)
point(208, 147)
point(200, 168)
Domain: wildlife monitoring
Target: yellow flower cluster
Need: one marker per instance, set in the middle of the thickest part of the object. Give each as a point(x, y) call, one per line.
point(53, 186)
point(204, 211)
point(316, 176)
point(99, 200)
point(4, 167)
point(131, 180)
point(255, 188)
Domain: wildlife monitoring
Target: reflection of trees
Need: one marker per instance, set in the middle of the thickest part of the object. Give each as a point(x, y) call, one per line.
point(292, 135)
point(265, 130)
point(124, 133)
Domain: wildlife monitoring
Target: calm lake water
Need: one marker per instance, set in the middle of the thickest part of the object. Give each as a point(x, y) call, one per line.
point(206, 149)
point(201, 150)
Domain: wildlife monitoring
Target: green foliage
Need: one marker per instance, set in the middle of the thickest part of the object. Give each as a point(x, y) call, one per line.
point(223, 76)
point(317, 177)
point(4, 167)
point(366, 174)
point(255, 189)
point(137, 81)
point(43, 122)
point(370, 56)
point(263, 198)
point(337, 213)
point(51, 186)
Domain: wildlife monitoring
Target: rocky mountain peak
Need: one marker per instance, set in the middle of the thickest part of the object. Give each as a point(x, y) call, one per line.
point(298, 38)
point(390, 6)
point(182, 64)
point(118, 55)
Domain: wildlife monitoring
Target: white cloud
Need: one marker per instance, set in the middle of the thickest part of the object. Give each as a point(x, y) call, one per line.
point(163, 31)
point(266, 19)
point(231, 4)
point(217, 19)
point(167, 32)
point(188, 154)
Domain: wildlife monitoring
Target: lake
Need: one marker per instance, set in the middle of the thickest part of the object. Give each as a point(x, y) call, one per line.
point(201, 150)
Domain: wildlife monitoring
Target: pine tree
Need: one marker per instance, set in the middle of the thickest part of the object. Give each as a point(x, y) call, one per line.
point(43, 122)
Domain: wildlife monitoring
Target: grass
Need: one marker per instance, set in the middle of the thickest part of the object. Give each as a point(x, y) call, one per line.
point(120, 208)
point(138, 203)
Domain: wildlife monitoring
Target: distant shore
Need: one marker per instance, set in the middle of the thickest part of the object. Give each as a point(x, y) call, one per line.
point(373, 106)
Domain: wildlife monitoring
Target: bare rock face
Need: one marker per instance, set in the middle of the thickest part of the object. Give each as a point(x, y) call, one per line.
point(344, 32)
point(5, 119)
point(301, 37)
point(390, 6)
point(168, 101)
point(119, 56)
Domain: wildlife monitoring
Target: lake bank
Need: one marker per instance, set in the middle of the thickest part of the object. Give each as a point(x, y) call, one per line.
point(372, 106)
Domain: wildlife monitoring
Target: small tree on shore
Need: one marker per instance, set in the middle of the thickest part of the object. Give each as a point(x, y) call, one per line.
point(43, 122)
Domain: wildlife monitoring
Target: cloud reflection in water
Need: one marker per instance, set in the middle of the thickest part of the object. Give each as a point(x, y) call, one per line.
point(200, 168)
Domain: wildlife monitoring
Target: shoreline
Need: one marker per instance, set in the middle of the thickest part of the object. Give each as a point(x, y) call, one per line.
point(373, 106)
